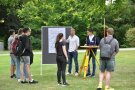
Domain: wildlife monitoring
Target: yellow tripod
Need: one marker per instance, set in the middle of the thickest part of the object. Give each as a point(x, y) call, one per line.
point(85, 62)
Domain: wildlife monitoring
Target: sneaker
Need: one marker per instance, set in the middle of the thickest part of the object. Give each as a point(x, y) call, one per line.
point(23, 82)
point(59, 83)
point(76, 74)
point(99, 88)
point(19, 80)
point(65, 84)
point(33, 82)
point(88, 75)
point(68, 73)
point(92, 76)
point(13, 76)
point(109, 88)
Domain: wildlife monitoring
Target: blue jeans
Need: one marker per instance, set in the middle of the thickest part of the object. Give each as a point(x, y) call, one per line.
point(18, 69)
point(72, 55)
point(93, 63)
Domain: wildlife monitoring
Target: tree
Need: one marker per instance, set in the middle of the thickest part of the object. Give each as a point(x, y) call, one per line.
point(8, 13)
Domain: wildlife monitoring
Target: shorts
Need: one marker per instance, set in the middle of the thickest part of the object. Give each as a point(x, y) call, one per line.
point(25, 59)
point(12, 61)
point(107, 65)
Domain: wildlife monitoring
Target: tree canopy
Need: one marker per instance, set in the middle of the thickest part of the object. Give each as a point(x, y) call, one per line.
point(80, 14)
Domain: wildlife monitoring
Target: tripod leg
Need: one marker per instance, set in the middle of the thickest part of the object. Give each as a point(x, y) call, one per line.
point(82, 65)
point(86, 64)
point(95, 57)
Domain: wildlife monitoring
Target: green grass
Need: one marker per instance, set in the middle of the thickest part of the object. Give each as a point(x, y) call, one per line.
point(123, 78)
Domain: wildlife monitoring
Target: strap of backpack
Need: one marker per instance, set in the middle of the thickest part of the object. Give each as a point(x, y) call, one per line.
point(110, 41)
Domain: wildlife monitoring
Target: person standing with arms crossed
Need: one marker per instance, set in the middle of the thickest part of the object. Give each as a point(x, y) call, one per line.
point(74, 43)
point(109, 47)
point(61, 59)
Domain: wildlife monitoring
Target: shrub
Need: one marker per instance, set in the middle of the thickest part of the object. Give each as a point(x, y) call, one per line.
point(130, 37)
point(36, 43)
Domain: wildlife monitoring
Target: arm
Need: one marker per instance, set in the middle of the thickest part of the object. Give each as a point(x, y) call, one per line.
point(77, 43)
point(65, 52)
point(117, 47)
point(67, 41)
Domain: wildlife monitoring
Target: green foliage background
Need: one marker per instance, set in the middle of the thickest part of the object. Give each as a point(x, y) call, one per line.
point(80, 14)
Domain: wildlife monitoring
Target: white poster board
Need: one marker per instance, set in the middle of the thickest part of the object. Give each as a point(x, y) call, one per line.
point(52, 33)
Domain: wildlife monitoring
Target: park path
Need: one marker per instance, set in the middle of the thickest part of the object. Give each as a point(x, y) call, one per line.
point(80, 51)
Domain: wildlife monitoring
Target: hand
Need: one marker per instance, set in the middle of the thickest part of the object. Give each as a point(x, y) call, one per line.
point(85, 44)
point(67, 59)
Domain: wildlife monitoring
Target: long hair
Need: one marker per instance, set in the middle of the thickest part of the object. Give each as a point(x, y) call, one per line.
point(59, 36)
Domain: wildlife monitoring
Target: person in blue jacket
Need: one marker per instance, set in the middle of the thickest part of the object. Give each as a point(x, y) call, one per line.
point(91, 40)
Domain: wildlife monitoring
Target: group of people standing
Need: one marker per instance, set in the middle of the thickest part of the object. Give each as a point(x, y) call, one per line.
point(21, 64)
point(106, 65)
point(108, 46)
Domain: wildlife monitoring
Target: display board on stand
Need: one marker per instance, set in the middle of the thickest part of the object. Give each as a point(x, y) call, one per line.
point(49, 34)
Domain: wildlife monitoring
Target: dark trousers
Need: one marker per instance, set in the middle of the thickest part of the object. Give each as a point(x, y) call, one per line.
point(31, 58)
point(93, 63)
point(72, 55)
point(61, 65)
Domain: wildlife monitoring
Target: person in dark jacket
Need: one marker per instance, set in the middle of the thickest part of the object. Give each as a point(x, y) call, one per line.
point(61, 59)
point(25, 59)
point(91, 40)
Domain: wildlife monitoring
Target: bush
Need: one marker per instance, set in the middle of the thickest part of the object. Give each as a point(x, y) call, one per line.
point(36, 43)
point(130, 37)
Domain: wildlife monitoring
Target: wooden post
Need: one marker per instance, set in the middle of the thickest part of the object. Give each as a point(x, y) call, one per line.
point(104, 28)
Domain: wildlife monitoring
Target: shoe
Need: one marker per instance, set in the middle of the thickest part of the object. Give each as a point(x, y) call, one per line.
point(65, 84)
point(23, 82)
point(88, 75)
point(68, 73)
point(109, 88)
point(13, 76)
point(99, 88)
point(59, 83)
point(33, 82)
point(19, 80)
point(76, 74)
point(92, 76)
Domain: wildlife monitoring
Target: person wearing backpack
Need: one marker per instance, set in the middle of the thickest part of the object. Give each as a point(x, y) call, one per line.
point(25, 57)
point(91, 40)
point(10, 40)
point(109, 47)
point(15, 52)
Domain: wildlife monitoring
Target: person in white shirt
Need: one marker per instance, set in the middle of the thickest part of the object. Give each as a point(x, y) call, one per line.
point(74, 43)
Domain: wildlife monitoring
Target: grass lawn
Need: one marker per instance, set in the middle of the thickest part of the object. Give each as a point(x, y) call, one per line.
point(123, 78)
